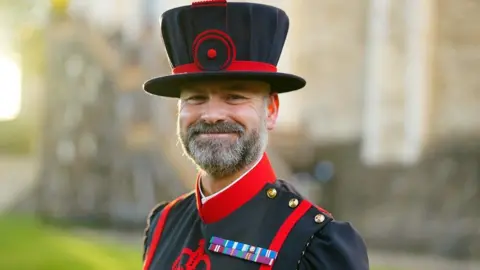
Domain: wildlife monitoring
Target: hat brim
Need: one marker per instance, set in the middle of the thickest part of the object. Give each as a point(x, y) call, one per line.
point(170, 86)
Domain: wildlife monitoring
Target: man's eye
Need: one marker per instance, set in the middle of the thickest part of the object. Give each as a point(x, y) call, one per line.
point(235, 97)
point(196, 98)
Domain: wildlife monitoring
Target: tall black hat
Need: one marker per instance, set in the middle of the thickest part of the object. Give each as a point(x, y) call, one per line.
point(218, 40)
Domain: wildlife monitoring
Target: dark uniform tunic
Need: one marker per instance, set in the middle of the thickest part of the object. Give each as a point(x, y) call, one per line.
point(258, 223)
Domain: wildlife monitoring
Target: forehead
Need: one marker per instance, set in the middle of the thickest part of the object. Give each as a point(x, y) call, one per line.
point(247, 86)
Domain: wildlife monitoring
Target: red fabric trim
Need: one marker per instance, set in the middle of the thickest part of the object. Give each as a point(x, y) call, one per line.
point(234, 66)
point(158, 231)
point(325, 212)
point(285, 229)
point(202, 3)
point(209, 5)
point(234, 197)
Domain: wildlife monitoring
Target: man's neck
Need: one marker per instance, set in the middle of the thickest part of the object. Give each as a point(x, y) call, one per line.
point(211, 185)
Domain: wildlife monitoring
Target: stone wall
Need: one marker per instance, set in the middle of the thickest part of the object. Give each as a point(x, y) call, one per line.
point(430, 207)
point(457, 84)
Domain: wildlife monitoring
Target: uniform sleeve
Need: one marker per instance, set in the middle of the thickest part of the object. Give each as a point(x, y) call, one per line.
point(336, 246)
point(152, 220)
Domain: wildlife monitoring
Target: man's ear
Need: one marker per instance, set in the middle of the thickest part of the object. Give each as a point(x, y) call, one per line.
point(272, 110)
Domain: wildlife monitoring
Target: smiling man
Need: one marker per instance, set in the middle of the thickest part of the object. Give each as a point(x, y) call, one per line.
point(223, 128)
point(240, 216)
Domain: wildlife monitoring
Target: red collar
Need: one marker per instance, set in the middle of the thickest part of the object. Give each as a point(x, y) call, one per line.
point(237, 195)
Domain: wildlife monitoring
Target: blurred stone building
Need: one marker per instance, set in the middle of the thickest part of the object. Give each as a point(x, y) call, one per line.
point(393, 100)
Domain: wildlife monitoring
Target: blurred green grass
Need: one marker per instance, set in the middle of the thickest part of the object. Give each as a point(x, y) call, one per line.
point(26, 244)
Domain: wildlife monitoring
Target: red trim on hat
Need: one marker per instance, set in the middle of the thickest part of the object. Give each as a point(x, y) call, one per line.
point(234, 66)
point(229, 200)
point(158, 231)
point(286, 227)
point(201, 3)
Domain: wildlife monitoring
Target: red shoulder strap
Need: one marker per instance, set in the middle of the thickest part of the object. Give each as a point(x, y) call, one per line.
point(286, 227)
point(158, 231)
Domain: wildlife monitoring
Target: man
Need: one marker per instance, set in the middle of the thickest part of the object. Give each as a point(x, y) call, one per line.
point(240, 216)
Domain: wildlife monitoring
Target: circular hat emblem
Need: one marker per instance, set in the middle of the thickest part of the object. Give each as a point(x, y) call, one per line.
point(213, 50)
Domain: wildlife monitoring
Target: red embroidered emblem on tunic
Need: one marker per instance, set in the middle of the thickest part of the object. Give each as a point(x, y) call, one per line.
point(194, 258)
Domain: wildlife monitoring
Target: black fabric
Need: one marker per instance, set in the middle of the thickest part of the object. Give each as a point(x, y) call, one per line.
point(329, 245)
point(258, 31)
point(337, 246)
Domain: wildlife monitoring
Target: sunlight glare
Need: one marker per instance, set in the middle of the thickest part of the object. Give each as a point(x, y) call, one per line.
point(10, 89)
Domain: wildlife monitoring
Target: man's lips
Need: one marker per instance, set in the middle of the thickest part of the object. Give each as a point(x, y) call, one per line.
point(217, 134)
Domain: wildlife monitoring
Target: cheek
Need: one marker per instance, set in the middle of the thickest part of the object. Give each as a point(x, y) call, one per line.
point(185, 119)
point(254, 120)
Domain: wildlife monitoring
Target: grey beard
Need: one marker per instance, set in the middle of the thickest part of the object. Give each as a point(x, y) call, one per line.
point(220, 158)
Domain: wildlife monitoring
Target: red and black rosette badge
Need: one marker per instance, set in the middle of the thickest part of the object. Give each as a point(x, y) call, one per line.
point(213, 50)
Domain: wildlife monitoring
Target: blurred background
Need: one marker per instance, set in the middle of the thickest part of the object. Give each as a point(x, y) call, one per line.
point(386, 134)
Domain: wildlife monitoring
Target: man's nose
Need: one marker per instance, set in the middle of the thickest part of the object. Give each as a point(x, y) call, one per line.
point(214, 112)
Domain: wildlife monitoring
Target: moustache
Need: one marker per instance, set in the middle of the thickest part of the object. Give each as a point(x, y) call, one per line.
point(221, 127)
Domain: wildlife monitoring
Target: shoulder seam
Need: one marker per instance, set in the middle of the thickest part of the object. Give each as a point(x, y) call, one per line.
point(151, 216)
point(304, 250)
point(158, 209)
point(309, 241)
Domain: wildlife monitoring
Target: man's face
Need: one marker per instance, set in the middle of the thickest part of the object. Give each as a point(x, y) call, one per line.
point(223, 126)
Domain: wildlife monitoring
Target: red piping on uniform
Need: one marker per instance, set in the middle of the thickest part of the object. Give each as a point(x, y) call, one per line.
point(325, 212)
point(158, 231)
point(285, 229)
point(234, 66)
point(229, 200)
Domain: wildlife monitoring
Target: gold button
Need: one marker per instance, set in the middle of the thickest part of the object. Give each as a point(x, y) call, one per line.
point(271, 193)
point(319, 218)
point(293, 203)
